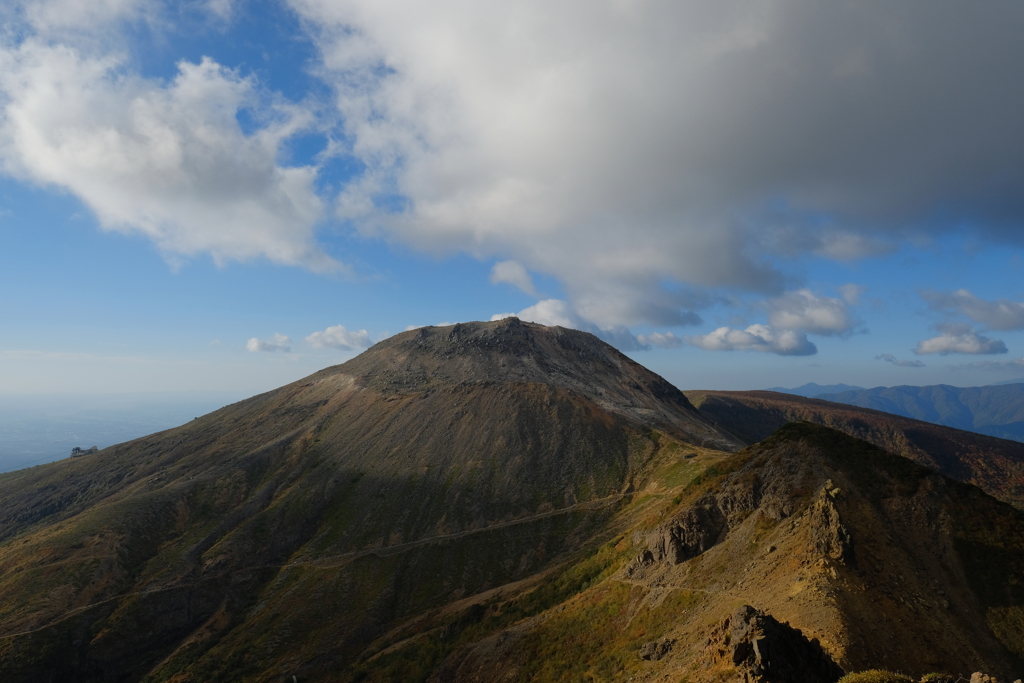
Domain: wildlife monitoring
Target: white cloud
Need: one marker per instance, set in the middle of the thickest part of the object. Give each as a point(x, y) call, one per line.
point(555, 312)
point(804, 311)
point(222, 9)
point(514, 274)
point(755, 338)
point(958, 338)
point(628, 148)
point(889, 358)
point(338, 337)
point(664, 340)
point(1001, 314)
point(80, 16)
point(278, 342)
point(852, 293)
point(640, 152)
point(443, 324)
point(166, 160)
point(849, 246)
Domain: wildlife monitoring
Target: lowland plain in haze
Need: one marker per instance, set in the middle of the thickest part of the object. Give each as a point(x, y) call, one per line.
point(40, 428)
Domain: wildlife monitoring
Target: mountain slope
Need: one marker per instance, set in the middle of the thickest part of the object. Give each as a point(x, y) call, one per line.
point(501, 501)
point(289, 531)
point(994, 410)
point(994, 465)
point(872, 561)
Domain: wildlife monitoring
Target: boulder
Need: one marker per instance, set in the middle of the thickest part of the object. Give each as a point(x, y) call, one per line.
point(768, 651)
point(657, 649)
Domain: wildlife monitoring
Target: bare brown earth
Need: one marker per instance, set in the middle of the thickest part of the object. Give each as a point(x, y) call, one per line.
point(994, 465)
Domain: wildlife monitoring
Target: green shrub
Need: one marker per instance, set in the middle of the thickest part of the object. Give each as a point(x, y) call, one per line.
point(875, 676)
point(938, 678)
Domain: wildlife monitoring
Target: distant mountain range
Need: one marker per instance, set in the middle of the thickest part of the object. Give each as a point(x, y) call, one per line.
point(812, 390)
point(996, 410)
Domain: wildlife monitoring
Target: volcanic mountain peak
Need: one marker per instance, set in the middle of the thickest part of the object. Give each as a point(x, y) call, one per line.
point(503, 350)
point(513, 352)
point(441, 463)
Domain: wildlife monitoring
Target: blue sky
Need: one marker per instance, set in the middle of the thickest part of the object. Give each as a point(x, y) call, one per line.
point(230, 195)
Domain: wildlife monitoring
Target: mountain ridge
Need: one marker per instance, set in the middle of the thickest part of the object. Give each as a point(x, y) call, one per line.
point(814, 390)
point(995, 465)
point(996, 410)
point(808, 528)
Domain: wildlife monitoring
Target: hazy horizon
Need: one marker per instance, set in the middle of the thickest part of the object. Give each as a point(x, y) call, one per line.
point(40, 428)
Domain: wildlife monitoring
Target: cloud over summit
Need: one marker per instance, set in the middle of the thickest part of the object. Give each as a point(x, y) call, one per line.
point(653, 165)
point(555, 312)
point(619, 147)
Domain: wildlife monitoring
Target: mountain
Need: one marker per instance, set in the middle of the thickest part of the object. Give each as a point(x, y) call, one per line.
point(805, 555)
point(996, 410)
point(810, 390)
point(289, 531)
point(504, 502)
point(995, 465)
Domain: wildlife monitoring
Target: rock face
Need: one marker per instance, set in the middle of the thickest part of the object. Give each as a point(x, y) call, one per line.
point(978, 677)
point(655, 650)
point(687, 535)
point(828, 534)
point(766, 651)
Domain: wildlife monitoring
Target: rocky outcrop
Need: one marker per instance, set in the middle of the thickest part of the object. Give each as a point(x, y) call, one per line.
point(979, 677)
point(657, 649)
point(702, 525)
point(767, 651)
point(687, 535)
point(828, 534)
